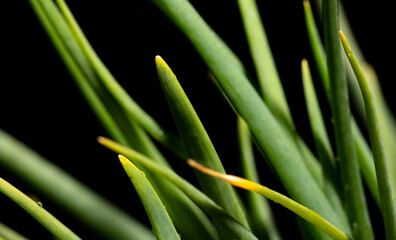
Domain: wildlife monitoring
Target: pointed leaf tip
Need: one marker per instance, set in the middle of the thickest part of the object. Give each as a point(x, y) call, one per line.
point(124, 161)
point(159, 60)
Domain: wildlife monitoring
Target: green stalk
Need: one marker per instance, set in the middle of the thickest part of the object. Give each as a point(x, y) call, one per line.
point(322, 144)
point(262, 219)
point(270, 83)
point(384, 185)
point(53, 225)
point(271, 86)
point(355, 201)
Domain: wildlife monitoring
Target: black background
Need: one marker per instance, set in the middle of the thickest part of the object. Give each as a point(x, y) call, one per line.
point(41, 105)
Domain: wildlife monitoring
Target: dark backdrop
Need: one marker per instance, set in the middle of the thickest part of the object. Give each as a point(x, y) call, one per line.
point(41, 105)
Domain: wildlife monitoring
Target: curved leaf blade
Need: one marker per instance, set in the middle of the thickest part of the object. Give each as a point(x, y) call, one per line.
point(384, 185)
point(261, 216)
point(290, 204)
point(197, 141)
point(53, 225)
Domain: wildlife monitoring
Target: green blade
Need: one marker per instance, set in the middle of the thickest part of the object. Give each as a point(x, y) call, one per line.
point(384, 185)
point(197, 142)
point(160, 221)
point(261, 216)
point(53, 225)
point(271, 86)
point(119, 94)
point(84, 205)
point(322, 144)
point(365, 159)
point(203, 201)
point(354, 198)
point(304, 212)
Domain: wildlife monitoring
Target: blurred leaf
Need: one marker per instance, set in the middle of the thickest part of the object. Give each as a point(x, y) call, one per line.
point(53, 225)
point(7, 233)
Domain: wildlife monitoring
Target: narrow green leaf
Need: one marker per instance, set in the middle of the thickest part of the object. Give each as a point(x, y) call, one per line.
point(261, 216)
point(53, 225)
point(281, 151)
point(304, 212)
point(203, 201)
point(364, 157)
point(197, 142)
point(316, 46)
point(122, 97)
point(270, 83)
point(7, 233)
point(77, 200)
point(386, 122)
point(355, 201)
point(322, 144)
point(49, 16)
point(384, 185)
point(160, 221)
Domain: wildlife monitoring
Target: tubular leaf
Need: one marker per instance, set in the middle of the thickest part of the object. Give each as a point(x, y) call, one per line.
point(384, 185)
point(262, 219)
point(53, 225)
point(271, 86)
point(197, 142)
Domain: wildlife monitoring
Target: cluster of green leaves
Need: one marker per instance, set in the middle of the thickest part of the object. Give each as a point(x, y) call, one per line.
point(325, 188)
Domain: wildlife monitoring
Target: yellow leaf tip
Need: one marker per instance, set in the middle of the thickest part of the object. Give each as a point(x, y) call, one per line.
point(100, 139)
point(159, 60)
point(123, 159)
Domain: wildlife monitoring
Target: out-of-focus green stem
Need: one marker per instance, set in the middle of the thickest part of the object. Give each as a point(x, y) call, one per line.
point(53, 225)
